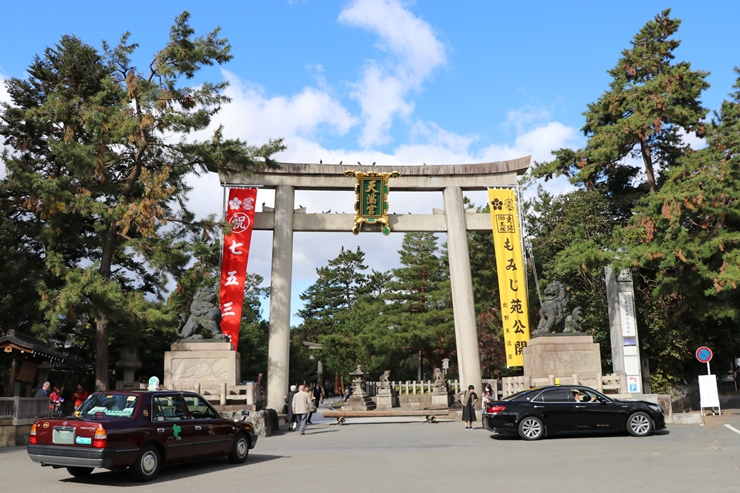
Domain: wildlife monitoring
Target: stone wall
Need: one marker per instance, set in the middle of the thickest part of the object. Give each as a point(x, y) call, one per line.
point(13, 435)
point(415, 401)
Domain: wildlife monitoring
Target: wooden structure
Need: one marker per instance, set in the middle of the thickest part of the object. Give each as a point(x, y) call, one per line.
point(429, 415)
point(26, 355)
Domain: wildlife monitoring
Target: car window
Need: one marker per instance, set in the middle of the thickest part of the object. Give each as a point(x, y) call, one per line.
point(113, 405)
point(200, 409)
point(587, 395)
point(168, 408)
point(523, 395)
point(555, 395)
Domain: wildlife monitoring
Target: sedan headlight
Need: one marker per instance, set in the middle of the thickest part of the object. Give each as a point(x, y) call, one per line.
point(656, 408)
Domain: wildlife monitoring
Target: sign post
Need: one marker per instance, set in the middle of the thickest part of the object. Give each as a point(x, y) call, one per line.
point(708, 396)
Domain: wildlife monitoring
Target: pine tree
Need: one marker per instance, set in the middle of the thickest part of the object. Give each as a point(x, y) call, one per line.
point(339, 285)
point(650, 103)
point(98, 152)
point(419, 303)
point(687, 239)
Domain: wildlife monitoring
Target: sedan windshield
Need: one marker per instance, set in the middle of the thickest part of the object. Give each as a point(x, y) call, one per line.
point(113, 405)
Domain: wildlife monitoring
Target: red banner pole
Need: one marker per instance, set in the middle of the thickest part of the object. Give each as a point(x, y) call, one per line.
point(240, 214)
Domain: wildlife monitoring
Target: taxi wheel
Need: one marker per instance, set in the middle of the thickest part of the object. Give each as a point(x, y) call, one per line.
point(80, 472)
point(240, 449)
point(147, 464)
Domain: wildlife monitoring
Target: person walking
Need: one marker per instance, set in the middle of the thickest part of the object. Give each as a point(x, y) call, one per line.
point(487, 397)
point(469, 401)
point(301, 408)
point(318, 397)
point(289, 411)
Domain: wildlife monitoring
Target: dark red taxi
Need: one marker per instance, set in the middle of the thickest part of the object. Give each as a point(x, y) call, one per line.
point(138, 430)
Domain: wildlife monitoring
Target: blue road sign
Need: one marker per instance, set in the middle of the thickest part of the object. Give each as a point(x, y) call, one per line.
point(704, 354)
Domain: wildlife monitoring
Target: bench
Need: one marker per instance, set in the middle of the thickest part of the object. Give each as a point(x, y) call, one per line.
point(430, 415)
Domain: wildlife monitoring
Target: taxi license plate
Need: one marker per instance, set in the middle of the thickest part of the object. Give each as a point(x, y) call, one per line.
point(63, 436)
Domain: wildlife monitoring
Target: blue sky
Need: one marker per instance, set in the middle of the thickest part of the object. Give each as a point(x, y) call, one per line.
point(393, 82)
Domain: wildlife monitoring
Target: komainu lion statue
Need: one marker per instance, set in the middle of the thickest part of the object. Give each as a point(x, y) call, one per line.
point(204, 315)
point(385, 380)
point(554, 314)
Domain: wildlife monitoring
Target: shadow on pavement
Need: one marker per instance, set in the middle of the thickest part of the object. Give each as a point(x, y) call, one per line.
point(729, 398)
point(122, 479)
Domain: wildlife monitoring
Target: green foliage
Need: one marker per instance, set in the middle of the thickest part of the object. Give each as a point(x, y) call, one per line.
point(381, 320)
point(686, 239)
point(97, 153)
point(571, 235)
point(254, 330)
point(651, 101)
point(338, 287)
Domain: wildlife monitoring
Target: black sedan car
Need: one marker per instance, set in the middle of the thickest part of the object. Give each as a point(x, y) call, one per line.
point(569, 410)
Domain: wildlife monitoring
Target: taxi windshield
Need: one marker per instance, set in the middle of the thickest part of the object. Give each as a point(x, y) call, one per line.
point(113, 405)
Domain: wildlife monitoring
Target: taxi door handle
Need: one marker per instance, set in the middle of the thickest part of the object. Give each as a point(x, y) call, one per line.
point(197, 428)
point(538, 407)
point(160, 430)
point(580, 407)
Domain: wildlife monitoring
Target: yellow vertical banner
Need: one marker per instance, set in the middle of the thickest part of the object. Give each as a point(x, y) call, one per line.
point(507, 241)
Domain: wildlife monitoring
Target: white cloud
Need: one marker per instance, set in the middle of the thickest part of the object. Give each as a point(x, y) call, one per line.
point(522, 118)
point(301, 115)
point(383, 90)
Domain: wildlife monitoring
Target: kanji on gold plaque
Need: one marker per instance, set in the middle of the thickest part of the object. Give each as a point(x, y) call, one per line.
point(371, 205)
point(511, 273)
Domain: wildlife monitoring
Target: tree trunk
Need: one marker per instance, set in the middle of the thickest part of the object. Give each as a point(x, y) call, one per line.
point(101, 352)
point(106, 262)
point(647, 158)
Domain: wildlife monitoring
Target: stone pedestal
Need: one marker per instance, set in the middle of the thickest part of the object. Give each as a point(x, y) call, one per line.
point(440, 400)
point(357, 403)
point(201, 363)
point(386, 399)
point(562, 355)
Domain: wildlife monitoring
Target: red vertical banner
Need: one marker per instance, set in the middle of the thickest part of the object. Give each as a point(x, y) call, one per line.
point(240, 214)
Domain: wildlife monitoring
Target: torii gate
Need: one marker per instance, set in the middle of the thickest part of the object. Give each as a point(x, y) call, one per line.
point(451, 180)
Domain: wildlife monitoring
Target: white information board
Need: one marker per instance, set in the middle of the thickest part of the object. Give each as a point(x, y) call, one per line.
point(627, 314)
point(708, 392)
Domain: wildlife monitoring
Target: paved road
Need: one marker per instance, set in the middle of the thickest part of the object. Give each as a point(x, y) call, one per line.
point(430, 458)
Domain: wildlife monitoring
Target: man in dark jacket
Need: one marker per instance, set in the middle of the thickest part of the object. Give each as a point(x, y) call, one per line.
point(317, 397)
point(44, 391)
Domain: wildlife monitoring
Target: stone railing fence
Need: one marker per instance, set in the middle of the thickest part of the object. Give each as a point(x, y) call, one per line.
point(24, 408)
point(249, 394)
point(611, 383)
point(412, 387)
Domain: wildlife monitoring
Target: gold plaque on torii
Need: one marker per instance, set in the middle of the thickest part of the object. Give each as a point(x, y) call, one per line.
point(371, 199)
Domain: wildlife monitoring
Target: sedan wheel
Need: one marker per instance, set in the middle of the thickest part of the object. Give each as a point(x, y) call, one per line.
point(147, 463)
point(240, 449)
point(639, 425)
point(531, 428)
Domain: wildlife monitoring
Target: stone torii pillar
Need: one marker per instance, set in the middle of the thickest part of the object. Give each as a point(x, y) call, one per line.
point(461, 280)
point(278, 357)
